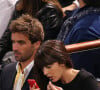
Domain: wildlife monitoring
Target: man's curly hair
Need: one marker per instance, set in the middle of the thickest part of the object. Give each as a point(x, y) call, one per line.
point(29, 26)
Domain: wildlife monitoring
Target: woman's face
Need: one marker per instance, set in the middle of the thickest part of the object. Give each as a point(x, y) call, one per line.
point(54, 71)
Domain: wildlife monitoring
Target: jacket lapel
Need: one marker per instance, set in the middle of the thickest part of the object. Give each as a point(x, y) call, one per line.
point(30, 76)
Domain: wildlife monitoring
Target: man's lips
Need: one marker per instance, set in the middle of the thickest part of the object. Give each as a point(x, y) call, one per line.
point(16, 53)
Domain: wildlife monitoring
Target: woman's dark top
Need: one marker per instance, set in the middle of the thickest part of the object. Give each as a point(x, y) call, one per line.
point(52, 18)
point(83, 81)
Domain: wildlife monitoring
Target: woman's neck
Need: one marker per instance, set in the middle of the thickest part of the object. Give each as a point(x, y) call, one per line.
point(69, 75)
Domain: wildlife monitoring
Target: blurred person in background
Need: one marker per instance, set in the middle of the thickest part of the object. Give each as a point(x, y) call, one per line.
point(84, 25)
point(68, 6)
point(6, 10)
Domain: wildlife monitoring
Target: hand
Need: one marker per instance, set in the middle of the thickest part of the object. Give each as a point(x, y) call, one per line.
point(34, 88)
point(53, 87)
point(70, 7)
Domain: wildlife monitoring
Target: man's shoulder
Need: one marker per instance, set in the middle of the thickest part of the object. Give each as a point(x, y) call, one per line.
point(8, 71)
point(9, 67)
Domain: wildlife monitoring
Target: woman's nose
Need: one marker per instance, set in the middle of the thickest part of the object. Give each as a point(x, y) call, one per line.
point(45, 71)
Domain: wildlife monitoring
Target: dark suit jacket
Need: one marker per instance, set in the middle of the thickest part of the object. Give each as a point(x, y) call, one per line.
point(8, 75)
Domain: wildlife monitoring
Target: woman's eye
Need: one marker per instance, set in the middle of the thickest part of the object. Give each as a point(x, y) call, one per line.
point(49, 66)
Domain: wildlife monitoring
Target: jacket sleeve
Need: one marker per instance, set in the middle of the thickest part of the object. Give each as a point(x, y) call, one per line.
point(51, 17)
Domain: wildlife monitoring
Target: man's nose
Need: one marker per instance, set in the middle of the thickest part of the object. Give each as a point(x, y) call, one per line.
point(15, 46)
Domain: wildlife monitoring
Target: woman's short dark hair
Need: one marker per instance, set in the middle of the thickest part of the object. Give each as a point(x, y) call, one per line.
point(95, 3)
point(52, 51)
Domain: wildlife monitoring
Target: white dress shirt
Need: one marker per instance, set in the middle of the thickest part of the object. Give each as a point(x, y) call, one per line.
point(25, 73)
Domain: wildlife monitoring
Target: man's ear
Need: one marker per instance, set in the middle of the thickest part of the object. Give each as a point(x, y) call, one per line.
point(37, 44)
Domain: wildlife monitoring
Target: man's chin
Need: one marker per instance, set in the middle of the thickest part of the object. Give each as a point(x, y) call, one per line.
point(18, 59)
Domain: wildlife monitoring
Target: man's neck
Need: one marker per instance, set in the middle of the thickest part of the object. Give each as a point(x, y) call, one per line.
point(24, 64)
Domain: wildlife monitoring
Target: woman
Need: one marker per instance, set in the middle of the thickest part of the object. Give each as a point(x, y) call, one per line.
point(49, 12)
point(53, 59)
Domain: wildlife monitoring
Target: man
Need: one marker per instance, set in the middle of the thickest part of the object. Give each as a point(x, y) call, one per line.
point(26, 35)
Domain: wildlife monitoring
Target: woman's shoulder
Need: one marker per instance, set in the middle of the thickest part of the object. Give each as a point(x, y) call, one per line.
point(88, 81)
point(83, 74)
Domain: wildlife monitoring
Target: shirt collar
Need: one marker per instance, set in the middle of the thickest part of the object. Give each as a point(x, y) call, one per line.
point(27, 69)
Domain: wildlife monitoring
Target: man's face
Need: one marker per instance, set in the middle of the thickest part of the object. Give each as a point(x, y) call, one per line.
point(22, 47)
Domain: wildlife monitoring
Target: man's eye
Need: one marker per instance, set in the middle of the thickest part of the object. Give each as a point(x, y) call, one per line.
point(21, 42)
